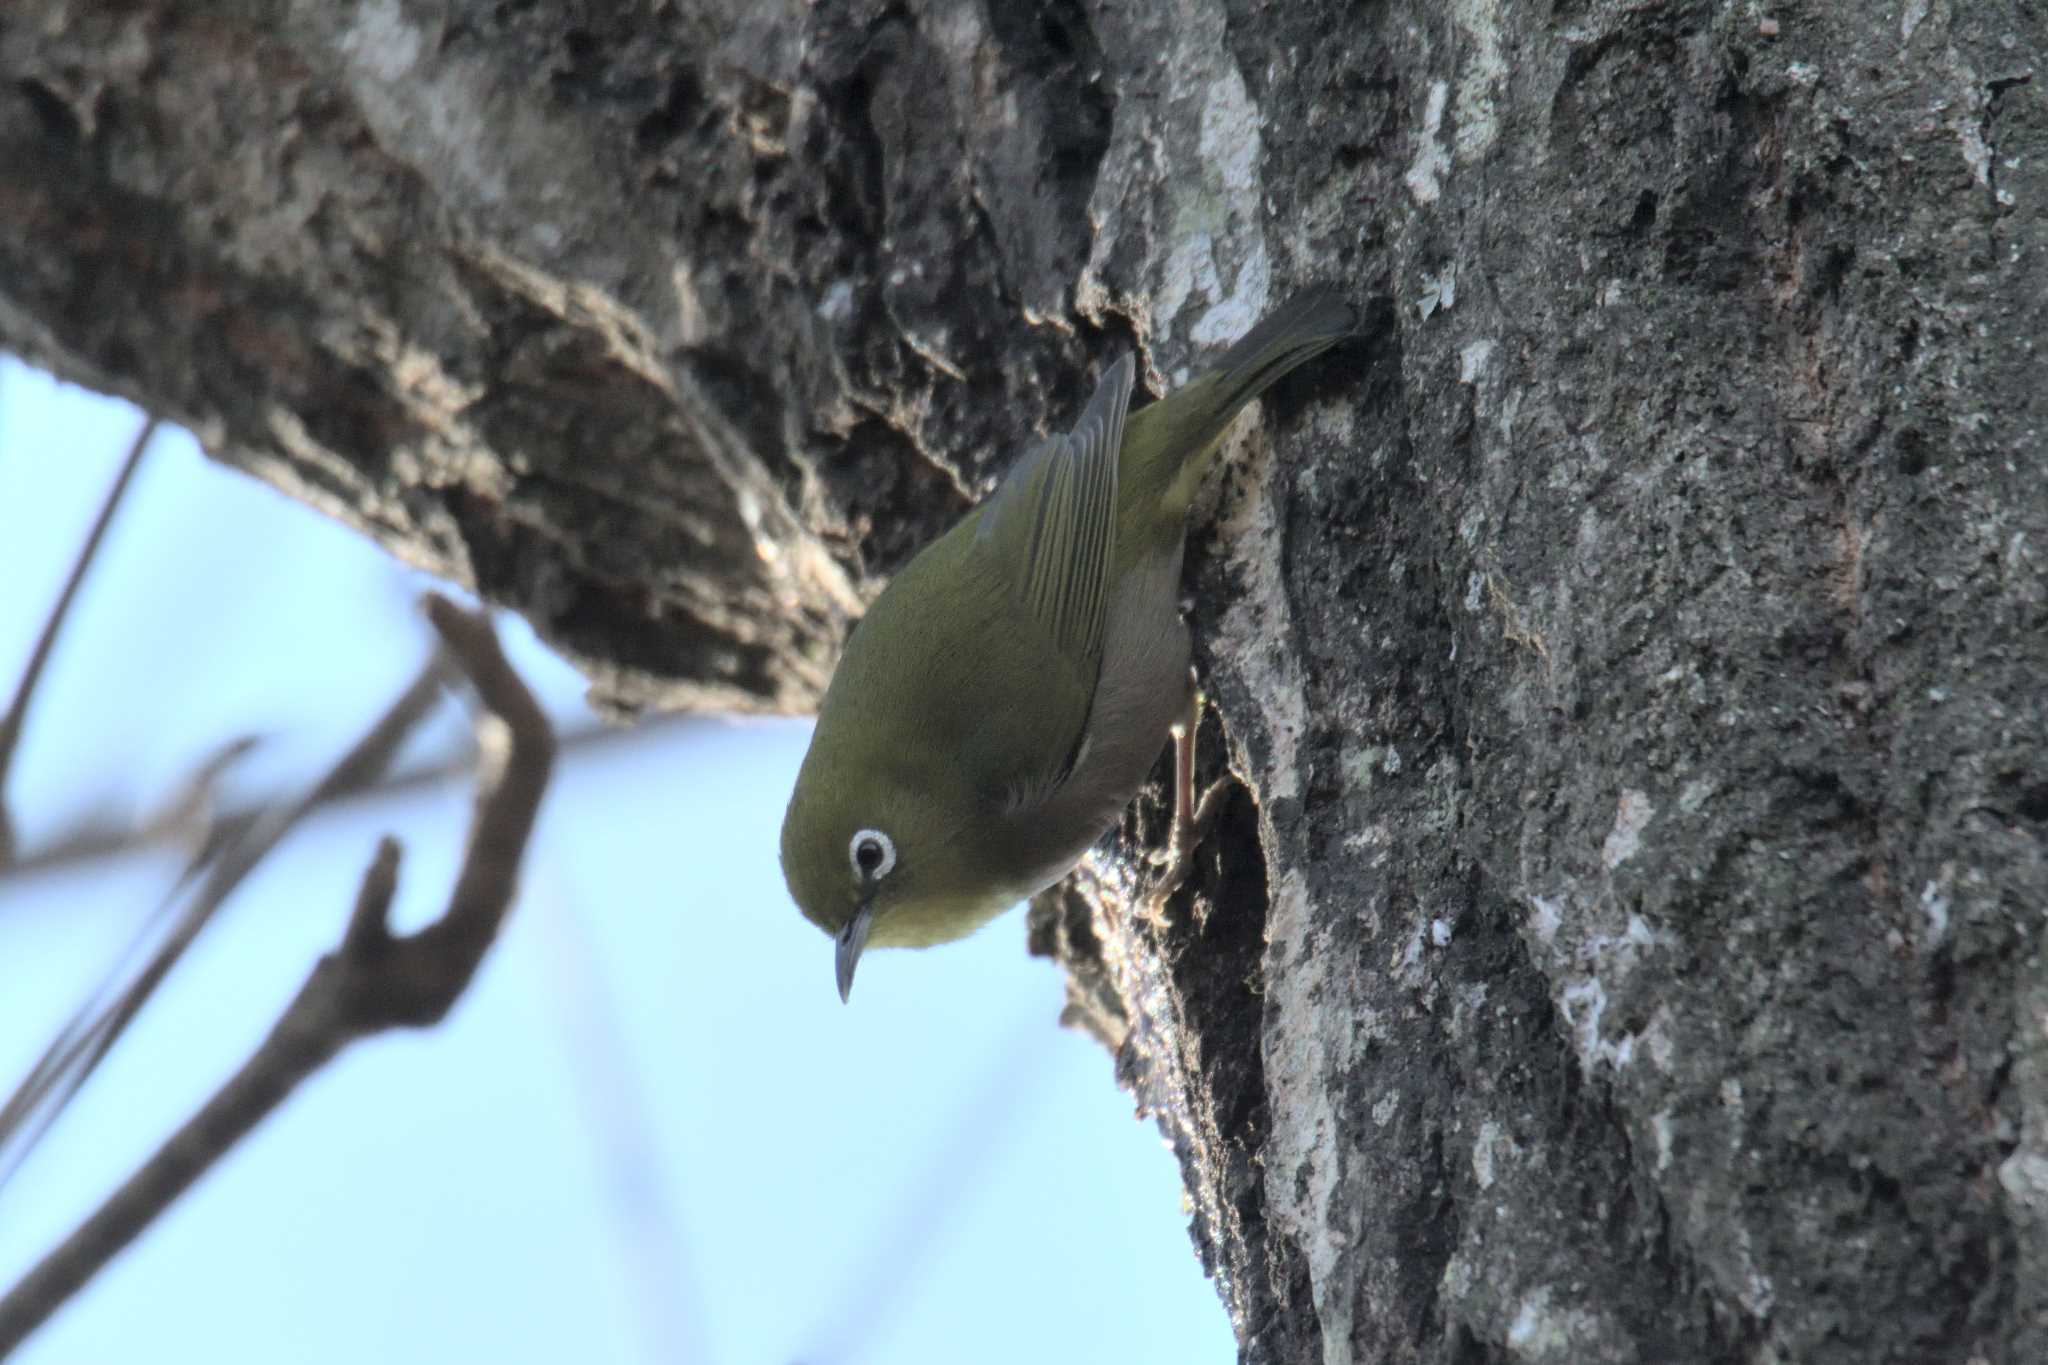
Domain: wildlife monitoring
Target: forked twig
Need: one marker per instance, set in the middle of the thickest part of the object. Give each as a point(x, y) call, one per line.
point(89, 1034)
point(375, 980)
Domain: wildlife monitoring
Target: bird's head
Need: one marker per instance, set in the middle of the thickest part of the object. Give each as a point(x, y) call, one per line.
point(877, 858)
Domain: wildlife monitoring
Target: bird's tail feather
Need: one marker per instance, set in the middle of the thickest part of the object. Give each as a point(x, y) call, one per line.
point(1294, 333)
point(1297, 331)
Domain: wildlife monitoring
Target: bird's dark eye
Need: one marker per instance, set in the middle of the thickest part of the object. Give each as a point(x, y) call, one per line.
point(873, 854)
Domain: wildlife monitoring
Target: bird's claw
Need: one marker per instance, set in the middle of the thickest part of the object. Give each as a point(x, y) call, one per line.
point(1177, 859)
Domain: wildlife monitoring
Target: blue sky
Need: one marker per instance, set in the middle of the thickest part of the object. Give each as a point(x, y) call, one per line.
point(651, 1132)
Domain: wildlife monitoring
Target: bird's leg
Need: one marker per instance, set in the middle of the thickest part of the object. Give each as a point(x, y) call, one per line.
point(1191, 818)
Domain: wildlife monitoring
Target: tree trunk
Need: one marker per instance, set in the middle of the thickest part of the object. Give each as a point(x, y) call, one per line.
point(1626, 944)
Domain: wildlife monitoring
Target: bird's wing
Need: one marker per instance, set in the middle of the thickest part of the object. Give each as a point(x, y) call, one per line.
point(1050, 530)
point(1054, 520)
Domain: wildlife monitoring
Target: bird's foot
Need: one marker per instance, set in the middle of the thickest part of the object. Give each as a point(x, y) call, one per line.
point(1177, 859)
point(1192, 819)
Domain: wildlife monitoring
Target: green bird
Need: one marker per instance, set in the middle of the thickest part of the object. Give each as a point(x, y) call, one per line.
point(1004, 698)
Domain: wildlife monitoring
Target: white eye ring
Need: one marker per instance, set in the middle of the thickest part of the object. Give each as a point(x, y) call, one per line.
point(880, 851)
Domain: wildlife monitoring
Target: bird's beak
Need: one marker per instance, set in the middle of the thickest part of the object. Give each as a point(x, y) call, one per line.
point(848, 945)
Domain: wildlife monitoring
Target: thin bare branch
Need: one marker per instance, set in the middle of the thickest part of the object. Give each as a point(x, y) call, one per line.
point(375, 980)
point(91, 1032)
point(88, 843)
point(192, 814)
point(17, 714)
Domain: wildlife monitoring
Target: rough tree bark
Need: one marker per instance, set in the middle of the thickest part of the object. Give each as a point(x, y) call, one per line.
point(1628, 942)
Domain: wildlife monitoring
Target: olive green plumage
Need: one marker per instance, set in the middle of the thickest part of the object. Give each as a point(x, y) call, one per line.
point(1007, 693)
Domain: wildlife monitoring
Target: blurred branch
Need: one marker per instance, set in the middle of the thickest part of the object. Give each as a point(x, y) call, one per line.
point(375, 980)
point(639, 1185)
point(89, 842)
point(17, 714)
point(90, 1033)
point(192, 815)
